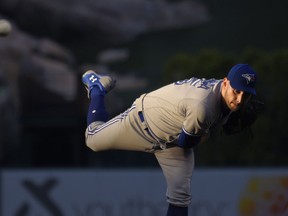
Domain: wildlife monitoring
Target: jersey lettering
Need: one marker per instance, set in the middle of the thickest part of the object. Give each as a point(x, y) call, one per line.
point(192, 81)
point(199, 83)
point(206, 84)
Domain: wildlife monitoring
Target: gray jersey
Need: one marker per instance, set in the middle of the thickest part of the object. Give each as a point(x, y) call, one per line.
point(158, 117)
point(193, 105)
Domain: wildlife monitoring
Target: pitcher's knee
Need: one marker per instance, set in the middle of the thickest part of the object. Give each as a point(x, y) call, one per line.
point(92, 145)
point(90, 136)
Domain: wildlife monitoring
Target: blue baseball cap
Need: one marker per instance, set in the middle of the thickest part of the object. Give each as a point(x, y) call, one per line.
point(242, 78)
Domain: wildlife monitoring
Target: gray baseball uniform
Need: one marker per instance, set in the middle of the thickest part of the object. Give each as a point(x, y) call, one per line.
point(153, 124)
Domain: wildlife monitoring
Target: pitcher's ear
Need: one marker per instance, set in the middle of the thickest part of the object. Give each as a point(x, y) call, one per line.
point(225, 81)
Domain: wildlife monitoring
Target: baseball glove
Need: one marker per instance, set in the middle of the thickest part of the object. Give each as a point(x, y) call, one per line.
point(244, 117)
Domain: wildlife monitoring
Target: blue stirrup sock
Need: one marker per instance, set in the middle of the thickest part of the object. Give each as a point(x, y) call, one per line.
point(97, 109)
point(177, 211)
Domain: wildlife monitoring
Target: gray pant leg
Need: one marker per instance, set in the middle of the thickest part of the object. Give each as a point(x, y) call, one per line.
point(118, 133)
point(177, 165)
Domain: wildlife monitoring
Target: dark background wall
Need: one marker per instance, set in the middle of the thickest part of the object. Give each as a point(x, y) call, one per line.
point(49, 129)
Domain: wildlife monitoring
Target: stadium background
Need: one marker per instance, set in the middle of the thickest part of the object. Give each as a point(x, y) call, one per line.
point(43, 104)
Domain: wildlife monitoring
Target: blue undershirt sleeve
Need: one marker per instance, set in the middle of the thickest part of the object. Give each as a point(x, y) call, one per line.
point(188, 141)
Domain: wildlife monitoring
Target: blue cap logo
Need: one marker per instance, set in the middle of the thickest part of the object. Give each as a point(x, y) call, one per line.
point(249, 77)
point(243, 78)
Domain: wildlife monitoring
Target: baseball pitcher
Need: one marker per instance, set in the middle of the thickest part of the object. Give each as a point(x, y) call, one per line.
point(169, 122)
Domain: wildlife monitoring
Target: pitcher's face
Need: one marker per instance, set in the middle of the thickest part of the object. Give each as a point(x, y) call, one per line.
point(233, 98)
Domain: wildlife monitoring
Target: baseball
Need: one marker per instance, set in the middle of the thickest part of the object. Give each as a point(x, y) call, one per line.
point(5, 28)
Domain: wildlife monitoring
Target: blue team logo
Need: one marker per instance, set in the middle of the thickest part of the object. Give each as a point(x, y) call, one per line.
point(249, 78)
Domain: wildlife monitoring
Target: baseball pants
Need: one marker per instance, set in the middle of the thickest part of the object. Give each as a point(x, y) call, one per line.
point(127, 132)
